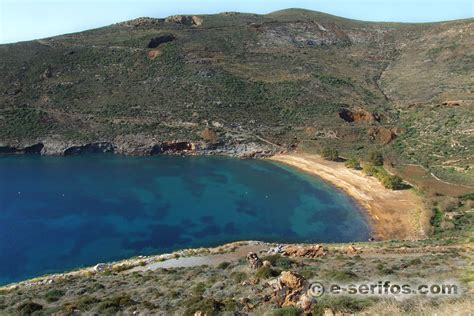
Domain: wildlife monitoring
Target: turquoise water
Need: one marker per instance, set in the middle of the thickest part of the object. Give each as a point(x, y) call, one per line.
point(62, 213)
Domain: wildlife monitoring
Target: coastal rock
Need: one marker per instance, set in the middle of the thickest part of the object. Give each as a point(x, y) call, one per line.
point(22, 149)
point(254, 261)
point(135, 144)
point(91, 148)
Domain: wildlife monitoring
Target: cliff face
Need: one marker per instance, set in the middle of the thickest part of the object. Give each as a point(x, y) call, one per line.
point(285, 77)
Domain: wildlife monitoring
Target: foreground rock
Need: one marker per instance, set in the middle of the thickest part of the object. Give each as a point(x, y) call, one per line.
point(291, 290)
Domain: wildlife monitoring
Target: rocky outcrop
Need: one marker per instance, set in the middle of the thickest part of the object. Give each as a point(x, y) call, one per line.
point(383, 135)
point(142, 145)
point(247, 150)
point(312, 251)
point(141, 22)
point(291, 290)
point(173, 148)
point(157, 41)
point(185, 20)
point(300, 34)
point(92, 148)
point(32, 149)
point(8, 150)
point(254, 261)
point(453, 103)
point(358, 116)
point(209, 136)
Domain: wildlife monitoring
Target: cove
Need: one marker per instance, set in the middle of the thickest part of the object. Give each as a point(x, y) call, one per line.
point(61, 213)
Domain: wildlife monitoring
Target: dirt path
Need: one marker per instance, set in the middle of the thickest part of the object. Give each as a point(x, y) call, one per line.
point(394, 214)
point(213, 260)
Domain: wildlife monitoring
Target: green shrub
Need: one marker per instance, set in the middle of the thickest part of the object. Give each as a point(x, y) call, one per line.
point(53, 295)
point(343, 276)
point(28, 308)
point(279, 261)
point(288, 311)
point(238, 276)
point(223, 265)
point(266, 273)
point(199, 289)
point(341, 304)
point(392, 182)
point(369, 170)
point(467, 197)
point(376, 158)
point(208, 306)
point(115, 304)
point(329, 153)
point(352, 163)
point(437, 218)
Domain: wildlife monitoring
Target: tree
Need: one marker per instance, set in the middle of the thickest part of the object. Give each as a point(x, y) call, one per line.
point(329, 153)
point(376, 158)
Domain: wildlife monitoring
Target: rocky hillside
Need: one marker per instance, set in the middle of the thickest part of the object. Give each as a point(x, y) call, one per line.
point(269, 280)
point(258, 83)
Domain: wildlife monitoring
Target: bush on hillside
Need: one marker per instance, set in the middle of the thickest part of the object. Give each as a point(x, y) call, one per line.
point(329, 153)
point(353, 163)
point(392, 182)
point(376, 158)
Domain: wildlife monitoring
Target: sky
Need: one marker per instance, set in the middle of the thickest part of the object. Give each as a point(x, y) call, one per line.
point(22, 20)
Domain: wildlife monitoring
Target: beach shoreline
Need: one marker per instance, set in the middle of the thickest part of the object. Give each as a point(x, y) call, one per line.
point(393, 215)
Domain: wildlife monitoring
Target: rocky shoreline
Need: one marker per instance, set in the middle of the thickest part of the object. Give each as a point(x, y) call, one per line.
point(140, 146)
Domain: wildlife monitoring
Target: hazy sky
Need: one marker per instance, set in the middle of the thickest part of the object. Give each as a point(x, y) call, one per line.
point(31, 19)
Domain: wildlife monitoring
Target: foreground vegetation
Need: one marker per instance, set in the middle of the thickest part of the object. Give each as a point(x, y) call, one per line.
point(231, 286)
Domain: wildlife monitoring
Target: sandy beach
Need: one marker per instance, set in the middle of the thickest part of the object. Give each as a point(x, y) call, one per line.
point(393, 214)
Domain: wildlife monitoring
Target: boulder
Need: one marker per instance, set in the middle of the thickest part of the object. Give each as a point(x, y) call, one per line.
point(292, 290)
point(254, 261)
point(101, 267)
point(351, 250)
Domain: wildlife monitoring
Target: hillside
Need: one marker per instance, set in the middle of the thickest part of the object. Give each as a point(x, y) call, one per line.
point(295, 78)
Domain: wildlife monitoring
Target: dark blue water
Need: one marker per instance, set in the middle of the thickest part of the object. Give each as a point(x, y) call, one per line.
point(62, 213)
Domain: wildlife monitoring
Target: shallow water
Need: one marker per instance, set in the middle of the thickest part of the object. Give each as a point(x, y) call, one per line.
point(62, 213)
